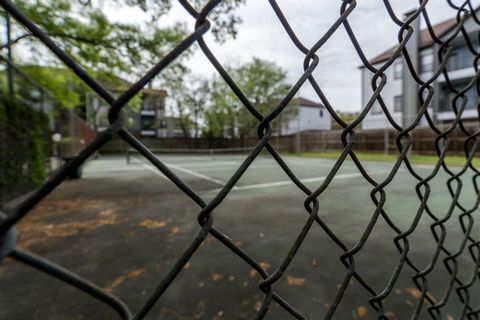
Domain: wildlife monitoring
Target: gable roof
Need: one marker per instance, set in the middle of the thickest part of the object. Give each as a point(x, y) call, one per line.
point(306, 103)
point(426, 39)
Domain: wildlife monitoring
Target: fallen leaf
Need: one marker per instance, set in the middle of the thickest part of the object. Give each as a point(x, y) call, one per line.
point(261, 235)
point(414, 292)
point(390, 315)
point(296, 282)
point(210, 239)
point(152, 224)
point(257, 306)
point(119, 280)
point(362, 313)
point(174, 230)
point(106, 213)
point(449, 317)
point(315, 263)
point(187, 266)
point(265, 266)
point(217, 277)
point(430, 295)
point(398, 291)
point(231, 278)
point(253, 273)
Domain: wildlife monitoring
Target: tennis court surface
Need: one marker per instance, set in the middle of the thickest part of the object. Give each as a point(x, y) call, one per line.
point(124, 225)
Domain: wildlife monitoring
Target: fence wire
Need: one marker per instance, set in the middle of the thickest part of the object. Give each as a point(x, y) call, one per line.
point(378, 193)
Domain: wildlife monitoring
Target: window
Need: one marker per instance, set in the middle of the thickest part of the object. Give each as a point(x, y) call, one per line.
point(460, 58)
point(398, 69)
point(398, 103)
point(446, 103)
point(148, 124)
point(321, 113)
point(426, 62)
point(149, 104)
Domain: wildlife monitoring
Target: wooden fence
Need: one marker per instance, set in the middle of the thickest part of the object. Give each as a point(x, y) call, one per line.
point(423, 142)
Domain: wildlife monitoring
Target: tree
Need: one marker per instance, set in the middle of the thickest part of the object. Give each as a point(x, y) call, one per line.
point(348, 117)
point(197, 95)
point(82, 28)
point(189, 97)
point(263, 83)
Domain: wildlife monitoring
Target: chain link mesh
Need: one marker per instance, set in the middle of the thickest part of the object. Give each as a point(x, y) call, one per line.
point(378, 193)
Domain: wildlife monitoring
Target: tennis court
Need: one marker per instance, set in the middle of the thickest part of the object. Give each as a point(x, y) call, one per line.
point(124, 225)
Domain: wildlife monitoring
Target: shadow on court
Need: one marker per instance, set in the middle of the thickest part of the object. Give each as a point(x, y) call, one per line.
point(123, 226)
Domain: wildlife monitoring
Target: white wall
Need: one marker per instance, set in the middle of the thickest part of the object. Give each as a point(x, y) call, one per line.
point(308, 119)
point(394, 87)
point(391, 89)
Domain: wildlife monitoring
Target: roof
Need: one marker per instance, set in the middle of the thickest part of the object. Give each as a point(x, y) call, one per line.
point(426, 40)
point(111, 82)
point(307, 103)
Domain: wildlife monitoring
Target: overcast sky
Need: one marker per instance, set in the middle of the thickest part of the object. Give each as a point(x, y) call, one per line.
point(261, 35)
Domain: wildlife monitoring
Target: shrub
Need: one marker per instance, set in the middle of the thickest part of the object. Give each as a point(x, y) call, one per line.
point(25, 148)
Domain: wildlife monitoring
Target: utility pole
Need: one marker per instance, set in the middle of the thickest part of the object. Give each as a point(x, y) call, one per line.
point(386, 139)
point(298, 135)
point(9, 69)
point(410, 87)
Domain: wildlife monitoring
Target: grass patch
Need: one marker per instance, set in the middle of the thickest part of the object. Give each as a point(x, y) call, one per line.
point(455, 161)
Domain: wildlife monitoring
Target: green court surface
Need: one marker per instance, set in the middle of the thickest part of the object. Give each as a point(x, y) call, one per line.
point(124, 225)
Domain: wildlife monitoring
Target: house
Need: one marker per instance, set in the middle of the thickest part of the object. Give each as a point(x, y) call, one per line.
point(400, 93)
point(309, 116)
point(145, 115)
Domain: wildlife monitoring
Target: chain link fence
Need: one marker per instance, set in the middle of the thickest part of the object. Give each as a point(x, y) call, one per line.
point(403, 142)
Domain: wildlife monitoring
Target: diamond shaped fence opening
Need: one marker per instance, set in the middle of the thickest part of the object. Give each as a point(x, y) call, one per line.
point(313, 218)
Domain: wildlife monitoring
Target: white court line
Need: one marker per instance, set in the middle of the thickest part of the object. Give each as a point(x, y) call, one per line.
point(152, 168)
point(289, 182)
point(196, 174)
point(225, 168)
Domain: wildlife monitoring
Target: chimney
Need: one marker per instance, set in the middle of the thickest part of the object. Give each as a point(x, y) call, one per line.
point(410, 86)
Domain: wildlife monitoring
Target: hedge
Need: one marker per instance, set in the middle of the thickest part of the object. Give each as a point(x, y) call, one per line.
point(25, 148)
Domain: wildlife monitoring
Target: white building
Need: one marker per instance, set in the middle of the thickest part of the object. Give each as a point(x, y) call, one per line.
point(308, 115)
point(460, 71)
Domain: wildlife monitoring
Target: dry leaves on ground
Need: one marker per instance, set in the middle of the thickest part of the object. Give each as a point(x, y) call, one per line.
point(295, 282)
point(121, 279)
point(152, 224)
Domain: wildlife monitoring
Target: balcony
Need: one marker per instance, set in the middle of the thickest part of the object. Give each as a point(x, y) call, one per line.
point(148, 113)
point(148, 133)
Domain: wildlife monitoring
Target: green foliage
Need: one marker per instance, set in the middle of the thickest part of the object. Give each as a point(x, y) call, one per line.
point(189, 100)
point(85, 32)
point(100, 45)
point(65, 88)
point(348, 117)
point(263, 83)
point(415, 159)
point(25, 147)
